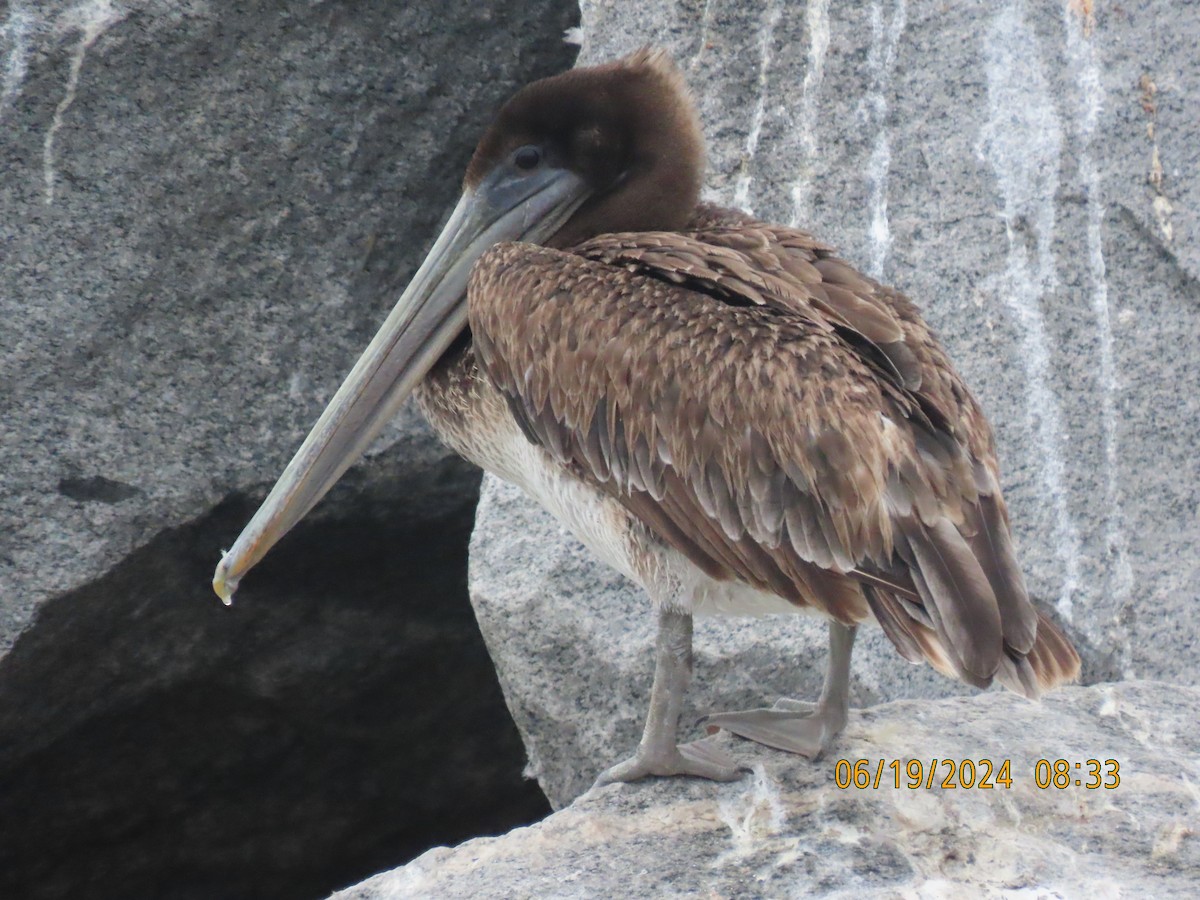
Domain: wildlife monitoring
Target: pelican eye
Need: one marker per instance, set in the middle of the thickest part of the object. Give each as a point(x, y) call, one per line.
point(527, 157)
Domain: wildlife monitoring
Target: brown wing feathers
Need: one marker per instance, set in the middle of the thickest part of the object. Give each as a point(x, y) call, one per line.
point(778, 418)
point(746, 267)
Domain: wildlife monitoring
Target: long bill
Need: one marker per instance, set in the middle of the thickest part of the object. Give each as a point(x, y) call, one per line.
point(430, 314)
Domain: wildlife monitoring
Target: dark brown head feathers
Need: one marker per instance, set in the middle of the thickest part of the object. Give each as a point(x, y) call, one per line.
point(629, 127)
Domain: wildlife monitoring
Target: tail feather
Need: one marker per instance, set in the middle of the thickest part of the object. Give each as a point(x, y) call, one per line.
point(1050, 662)
point(1016, 674)
point(1053, 657)
point(957, 594)
point(953, 594)
point(992, 546)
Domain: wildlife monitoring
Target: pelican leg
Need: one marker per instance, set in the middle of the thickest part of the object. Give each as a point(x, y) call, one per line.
point(804, 728)
point(659, 752)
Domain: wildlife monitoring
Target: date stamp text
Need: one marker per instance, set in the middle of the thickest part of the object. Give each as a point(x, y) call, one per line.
point(973, 774)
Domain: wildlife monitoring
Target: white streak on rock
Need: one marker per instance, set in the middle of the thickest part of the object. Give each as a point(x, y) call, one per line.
point(91, 19)
point(14, 46)
point(705, 25)
point(879, 230)
point(741, 194)
point(1022, 141)
point(1083, 60)
point(881, 61)
point(816, 23)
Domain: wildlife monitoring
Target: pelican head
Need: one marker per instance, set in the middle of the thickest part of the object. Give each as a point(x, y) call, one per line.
point(616, 147)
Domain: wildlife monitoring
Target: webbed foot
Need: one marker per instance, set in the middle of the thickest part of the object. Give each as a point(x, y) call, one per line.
point(701, 759)
point(791, 725)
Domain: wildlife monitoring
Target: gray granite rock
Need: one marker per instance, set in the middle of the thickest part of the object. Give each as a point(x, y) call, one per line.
point(205, 212)
point(789, 830)
point(1029, 173)
point(205, 215)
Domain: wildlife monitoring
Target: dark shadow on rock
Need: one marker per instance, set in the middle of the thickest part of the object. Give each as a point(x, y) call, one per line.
point(340, 718)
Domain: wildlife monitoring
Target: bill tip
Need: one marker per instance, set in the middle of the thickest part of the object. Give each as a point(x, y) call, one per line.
point(221, 583)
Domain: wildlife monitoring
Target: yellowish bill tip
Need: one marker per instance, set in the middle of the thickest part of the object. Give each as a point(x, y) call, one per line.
point(223, 587)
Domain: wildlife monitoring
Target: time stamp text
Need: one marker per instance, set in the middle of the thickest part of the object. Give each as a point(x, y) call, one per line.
point(974, 774)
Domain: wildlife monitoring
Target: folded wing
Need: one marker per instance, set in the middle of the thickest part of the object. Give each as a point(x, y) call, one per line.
point(778, 418)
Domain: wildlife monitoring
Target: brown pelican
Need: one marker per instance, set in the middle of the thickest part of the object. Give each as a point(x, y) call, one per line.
point(720, 408)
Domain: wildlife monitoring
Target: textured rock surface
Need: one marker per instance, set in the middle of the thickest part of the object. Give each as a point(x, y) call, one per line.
point(1029, 172)
point(206, 215)
point(788, 830)
point(205, 211)
point(151, 749)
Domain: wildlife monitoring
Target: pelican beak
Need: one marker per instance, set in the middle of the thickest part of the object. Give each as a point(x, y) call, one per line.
point(508, 205)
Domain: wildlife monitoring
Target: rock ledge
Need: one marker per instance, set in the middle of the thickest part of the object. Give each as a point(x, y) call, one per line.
point(787, 830)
